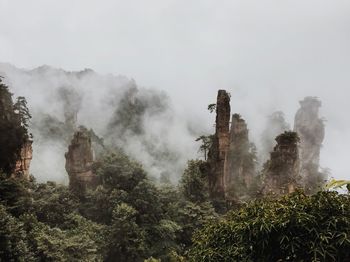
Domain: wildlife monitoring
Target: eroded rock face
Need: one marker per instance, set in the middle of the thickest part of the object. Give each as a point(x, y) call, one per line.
point(220, 145)
point(23, 163)
point(310, 128)
point(282, 171)
point(79, 160)
point(240, 161)
point(231, 160)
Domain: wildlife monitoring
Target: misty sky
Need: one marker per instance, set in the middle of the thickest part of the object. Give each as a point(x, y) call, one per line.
point(268, 54)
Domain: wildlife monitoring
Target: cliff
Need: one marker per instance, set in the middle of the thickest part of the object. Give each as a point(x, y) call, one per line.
point(231, 156)
point(15, 141)
point(240, 160)
point(79, 160)
point(23, 162)
point(220, 145)
point(310, 128)
point(281, 173)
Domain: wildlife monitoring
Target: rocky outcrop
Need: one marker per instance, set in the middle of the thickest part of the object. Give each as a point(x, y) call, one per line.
point(310, 128)
point(79, 160)
point(220, 145)
point(23, 162)
point(231, 158)
point(240, 160)
point(15, 141)
point(281, 173)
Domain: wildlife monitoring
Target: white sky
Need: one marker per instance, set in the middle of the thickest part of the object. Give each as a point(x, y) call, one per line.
point(268, 53)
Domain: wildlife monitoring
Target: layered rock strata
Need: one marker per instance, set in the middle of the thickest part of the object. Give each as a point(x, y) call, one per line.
point(79, 160)
point(23, 162)
point(240, 161)
point(220, 145)
point(282, 172)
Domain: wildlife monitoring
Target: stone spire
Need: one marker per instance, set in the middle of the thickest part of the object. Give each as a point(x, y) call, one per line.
point(220, 146)
point(240, 161)
point(281, 172)
point(311, 130)
point(79, 160)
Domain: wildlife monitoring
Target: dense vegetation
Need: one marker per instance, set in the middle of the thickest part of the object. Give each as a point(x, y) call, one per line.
point(14, 119)
point(131, 217)
point(127, 217)
point(296, 227)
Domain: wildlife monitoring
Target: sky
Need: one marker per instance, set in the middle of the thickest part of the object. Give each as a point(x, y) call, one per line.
point(268, 54)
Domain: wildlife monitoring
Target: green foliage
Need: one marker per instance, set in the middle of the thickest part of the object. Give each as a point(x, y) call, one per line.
point(13, 128)
point(51, 203)
point(206, 144)
point(117, 171)
point(22, 111)
point(126, 240)
point(296, 227)
point(193, 217)
point(288, 137)
point(194, 182)
point(212, 107)
point(128, 199)
point(82, 242)
point(13, 246)
point(14, 194)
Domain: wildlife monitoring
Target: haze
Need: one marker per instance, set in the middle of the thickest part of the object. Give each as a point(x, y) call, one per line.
point(267, 54)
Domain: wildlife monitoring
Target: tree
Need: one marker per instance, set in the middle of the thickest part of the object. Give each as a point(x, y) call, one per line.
point(13, 246)
point(15, 195)
point(82, 240)
point(296, 227)
point(206, 144)
point(13, 129)
point(194, 182)
point(212, 107)
point(22, 111)
point(52, 203)
point(192, 217)
point(126, 240)
point(118, 171)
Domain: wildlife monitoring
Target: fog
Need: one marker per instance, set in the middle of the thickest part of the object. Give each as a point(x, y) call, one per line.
point(267, 54)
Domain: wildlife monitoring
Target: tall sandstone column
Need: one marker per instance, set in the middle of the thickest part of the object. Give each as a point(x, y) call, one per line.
point(281, 173)
point(79, 160)
point(220, 145)
point(311, 130)
point(240, 161)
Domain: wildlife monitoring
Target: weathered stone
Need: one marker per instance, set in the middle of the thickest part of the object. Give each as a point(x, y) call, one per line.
point(23, 163)
point(220, 146)
point(231, 158)
point(240, 161)
point(79, 160)
point(310, 128)
point(281, 172)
